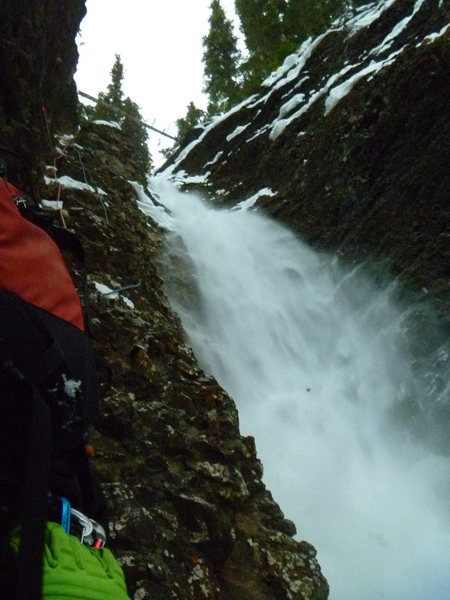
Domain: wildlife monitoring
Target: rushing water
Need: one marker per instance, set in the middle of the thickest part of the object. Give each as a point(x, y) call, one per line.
point(318, 360)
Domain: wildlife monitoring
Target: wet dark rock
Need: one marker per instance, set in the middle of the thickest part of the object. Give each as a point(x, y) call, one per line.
point(38, 58)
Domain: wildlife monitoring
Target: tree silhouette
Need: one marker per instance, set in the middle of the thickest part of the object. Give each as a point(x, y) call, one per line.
point(221, 61)
point(112, 105)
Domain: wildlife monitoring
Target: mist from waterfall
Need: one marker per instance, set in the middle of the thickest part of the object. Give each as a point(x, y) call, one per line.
point(319, 360)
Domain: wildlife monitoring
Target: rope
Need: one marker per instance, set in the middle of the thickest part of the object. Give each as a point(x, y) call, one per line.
point(61, 214)
point(55, 158)
point(47, 127)
point(105, 210)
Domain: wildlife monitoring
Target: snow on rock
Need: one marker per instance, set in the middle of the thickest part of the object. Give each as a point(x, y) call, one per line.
point(397, 30)
point(280, 124)
point(366, 15)
point(215, 159)
point(66, 139)
point(113, 124)
point(112, 294)
point(294, 72)
point(250, 202)
point(155, 211)
point(338, 92)
point(182, 178)
point(67, 182)
point(51, 204)
point(237, 132)
point(434, 36)
point(293, 64)
point(207, 128)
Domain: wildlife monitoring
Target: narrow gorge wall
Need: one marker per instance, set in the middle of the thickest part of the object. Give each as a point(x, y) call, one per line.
point(38, 58)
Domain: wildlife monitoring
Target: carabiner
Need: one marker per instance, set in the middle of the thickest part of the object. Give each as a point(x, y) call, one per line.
point(84, 523)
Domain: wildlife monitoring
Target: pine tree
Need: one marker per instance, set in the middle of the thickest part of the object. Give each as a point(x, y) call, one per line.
point(114, 94)
point(265, 37)
point(309, 17)
point(134, 128)
point(221, 60)
point(111, 102)
point(194, 116)
point(261, 24)
point(273, 29)
point(111, 105)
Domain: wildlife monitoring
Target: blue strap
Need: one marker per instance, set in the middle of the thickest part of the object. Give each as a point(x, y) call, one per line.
point(65, 514)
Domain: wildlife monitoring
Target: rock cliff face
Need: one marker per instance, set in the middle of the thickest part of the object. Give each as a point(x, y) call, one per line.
point(347, 143)
point(190, 516)
point(38, 57)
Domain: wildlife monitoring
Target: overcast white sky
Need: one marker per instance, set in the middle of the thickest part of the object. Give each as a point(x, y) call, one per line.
point(160, 43)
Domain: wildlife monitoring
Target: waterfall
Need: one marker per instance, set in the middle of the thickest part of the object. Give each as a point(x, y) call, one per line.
point(320, 362)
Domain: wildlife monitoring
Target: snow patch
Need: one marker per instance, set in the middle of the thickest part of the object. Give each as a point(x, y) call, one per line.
point(401, 26)
point(280, 124)
point(337, 93)
point(207, 128)
point(113, 124)
point(367, 15)
point(67, 182)
point(291, 104)
point(112, 294)
point(155, 211)
point(52, 204)
point(258, 133)
point(237, 132)
point(66, 138)
point(434, 36)
point(250, 202)
point(215, 159)
point(128, 302)
point(182, 178)
point(294, 63)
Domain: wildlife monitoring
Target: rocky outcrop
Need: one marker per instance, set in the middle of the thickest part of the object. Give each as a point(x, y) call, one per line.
point(347, 143)
point(38, 58)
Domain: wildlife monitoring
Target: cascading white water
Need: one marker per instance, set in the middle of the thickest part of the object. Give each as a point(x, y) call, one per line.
point(316, 359)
